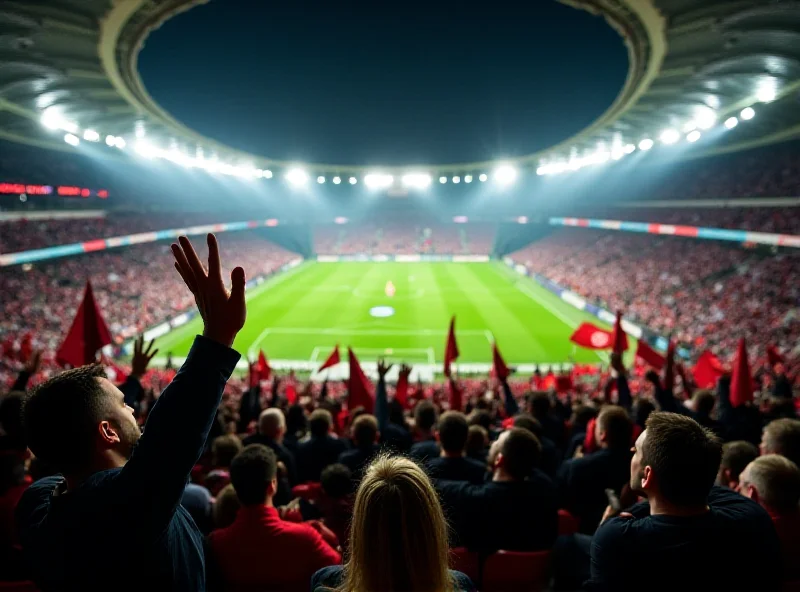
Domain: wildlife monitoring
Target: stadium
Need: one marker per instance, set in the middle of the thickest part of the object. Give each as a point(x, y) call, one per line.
point(607, 267)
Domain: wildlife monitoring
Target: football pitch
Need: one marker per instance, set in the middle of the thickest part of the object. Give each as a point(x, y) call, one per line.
point(401, 311)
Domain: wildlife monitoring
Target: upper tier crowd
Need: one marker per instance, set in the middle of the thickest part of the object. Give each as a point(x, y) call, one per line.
point(298, 487)
point(706, 294)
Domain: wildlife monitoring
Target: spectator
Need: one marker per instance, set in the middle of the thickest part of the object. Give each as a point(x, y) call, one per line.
point(477, 444)
point(782, 436)
point(197, 500)
point(540, 407)
point(365, 440)
point(687, 528)
point(451, 464)
point(78, 423)
point(774, 482)
point(425, 418)
point(703, 402)
point(334, 506)
point(395, 496)
point(550, 459)
point(583, 481)
point(321, 449)
point(259, 549)
point(516, 511)
point(226, 505)
point(223, 451)
point(296, 424)
point(271, 429)
point(735, 457)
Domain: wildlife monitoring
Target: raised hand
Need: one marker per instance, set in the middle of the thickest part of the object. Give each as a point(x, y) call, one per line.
point(141, 357)
point(223, 312)
point(383, 368)
point(34, 362)
point(405, 370)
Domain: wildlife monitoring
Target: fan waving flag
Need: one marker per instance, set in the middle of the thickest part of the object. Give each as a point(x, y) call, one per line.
point(649, 355)
point(741, 380)
point(358, 386)
point(619, 340)
point(332, 360)
point(87, 334)
point(591, 337)
point(262, 366)
point(707, 370)
point(499, 366)
point(451, 348)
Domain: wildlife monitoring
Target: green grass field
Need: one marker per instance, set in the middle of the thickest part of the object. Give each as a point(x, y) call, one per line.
point(299, 316)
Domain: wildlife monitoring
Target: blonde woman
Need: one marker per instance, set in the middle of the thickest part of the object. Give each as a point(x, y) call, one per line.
point(398, 536)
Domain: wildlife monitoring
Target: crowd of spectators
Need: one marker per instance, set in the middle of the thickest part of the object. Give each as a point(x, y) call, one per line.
point(300, 486)
point(706, 294)
point(403, 238)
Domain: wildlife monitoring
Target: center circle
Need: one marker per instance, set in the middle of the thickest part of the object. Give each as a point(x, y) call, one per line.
point(381, 312)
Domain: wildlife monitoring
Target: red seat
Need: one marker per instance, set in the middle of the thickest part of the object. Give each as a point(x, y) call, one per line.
point(467, 562)
point(567, 523)
point(513, 570)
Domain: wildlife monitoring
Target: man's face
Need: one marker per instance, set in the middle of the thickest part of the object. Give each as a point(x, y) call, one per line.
point(744, 487)
point(121, 418)
point(637, 469)
point(763, 447)
point(496, 447)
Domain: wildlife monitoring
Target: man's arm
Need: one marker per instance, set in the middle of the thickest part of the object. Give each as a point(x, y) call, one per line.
point(381, 400)
point(624, 397)
point(511, 406)
point(608, 557)
point(31, 367)
point(152, 482)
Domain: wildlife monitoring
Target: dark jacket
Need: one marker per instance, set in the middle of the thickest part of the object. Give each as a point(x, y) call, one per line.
point(330, 578)
point(456, 469)
point(582, 484)
point(513, 516)
point(358, 459)
point(424, 450)
point(316, 453)
point(156, 545)
point(281, 452)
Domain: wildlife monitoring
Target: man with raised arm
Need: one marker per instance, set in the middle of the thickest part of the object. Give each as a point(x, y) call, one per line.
point(112, 519)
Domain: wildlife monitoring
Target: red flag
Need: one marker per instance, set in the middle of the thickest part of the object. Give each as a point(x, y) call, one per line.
point(649, 355)
point(87, 334)
point(359, 388)
point(451, 348)
point(401, 390)
point(619, 341)
point(26, 347)
point(591, 337)
point(564, 383)
point(773, 355)
point(455, 395)
point(332, 360)
point(499, 364)
point(669, 373)
point(291, 390)
point(707, 370)
point(254, 376)
point(741, 380)
point(262, 366)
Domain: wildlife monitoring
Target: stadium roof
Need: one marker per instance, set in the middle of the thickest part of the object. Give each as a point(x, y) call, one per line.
point(74, 62)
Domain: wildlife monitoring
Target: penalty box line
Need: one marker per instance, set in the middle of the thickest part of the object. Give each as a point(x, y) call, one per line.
point(378, 352)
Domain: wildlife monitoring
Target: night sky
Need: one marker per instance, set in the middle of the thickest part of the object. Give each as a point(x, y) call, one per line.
point(385, 83)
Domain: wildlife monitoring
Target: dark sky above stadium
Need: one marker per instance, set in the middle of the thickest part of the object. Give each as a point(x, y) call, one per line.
point(357, 82)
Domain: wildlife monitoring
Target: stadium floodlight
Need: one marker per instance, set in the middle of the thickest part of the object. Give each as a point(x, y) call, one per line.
point(91, 135)
point(110, 141)
point(693, 136)
point(442, 180)
point(747, 113)
point(297, 176)
point(705, 118)
point(767, 90)
point(72, 139)
point(416, 180)
point(689, 126)
point(53, 120)
point(542, 170)
point(731, 122)
point(320, 179)
point(378, 180)
point(629, 148)
point(267, 174)
point(505, 174)
point(337, 180)
point(646, 144)
point(482, 177)
point(670, 136)
point(353, 180)
point(120, 143)
point(467, 178)
point(456, 179)
point(522, 220)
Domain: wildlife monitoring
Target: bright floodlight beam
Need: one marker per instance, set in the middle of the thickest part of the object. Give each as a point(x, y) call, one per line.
point(297, 176)
point(629, 148)
point(505, 174)
point(747, 113)
point(456, 179)
point(705, 118)
point(646, 144)
point(72, 139)
point(416, 180)
point(482, 177)
point(693, 136)
point(731, 122)
point(337, 180)
point(91, 135)
point(353, 180)
point(670, 136)
point(378, 180)
point(320, 179)
point(467, 178)
point(442, 180)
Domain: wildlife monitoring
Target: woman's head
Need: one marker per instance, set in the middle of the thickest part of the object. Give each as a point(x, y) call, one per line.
point(398, 536)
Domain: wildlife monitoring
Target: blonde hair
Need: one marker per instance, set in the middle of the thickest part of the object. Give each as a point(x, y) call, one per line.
point(398, 536)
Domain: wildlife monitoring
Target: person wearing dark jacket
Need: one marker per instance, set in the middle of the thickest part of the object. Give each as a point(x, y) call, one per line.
point(582, 482)
point(516, 511)
point(321, 449)
point(365, 442)
point(271, 430)
point(451, 464)
point(425, 418)
point(113, 517)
